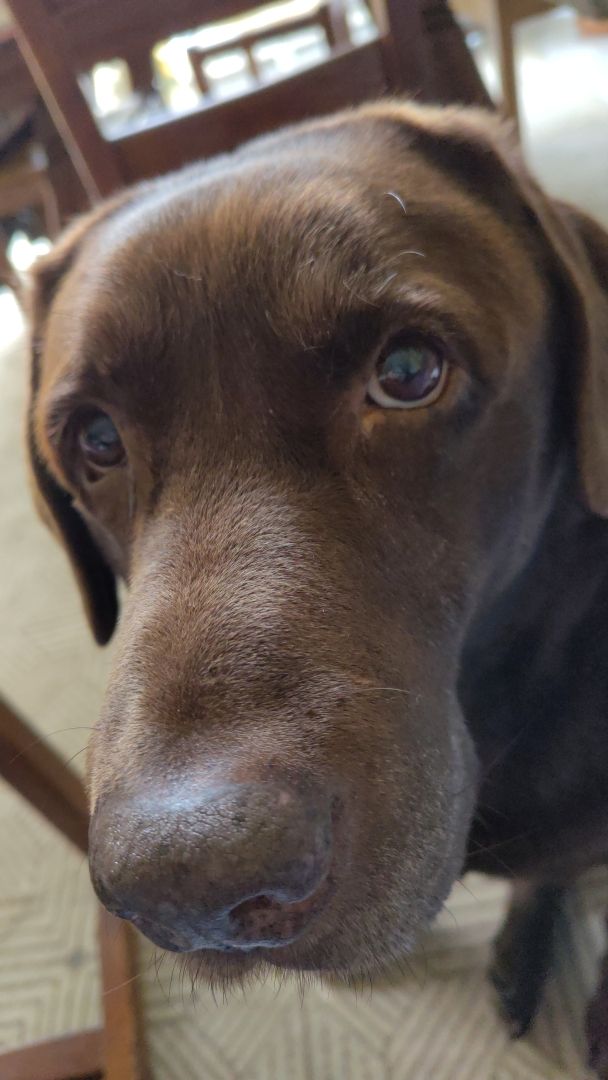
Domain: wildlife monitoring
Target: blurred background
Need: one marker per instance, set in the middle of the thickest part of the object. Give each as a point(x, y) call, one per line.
point(95, 94)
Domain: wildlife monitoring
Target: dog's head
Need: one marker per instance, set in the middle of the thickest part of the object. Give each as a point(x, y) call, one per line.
point(311, 401)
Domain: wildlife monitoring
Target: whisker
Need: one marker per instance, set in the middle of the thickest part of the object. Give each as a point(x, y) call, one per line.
point(394, 195)
point(404, 960)
point(45, 737)
point(74, 756)
point(156, 958)
point(379, 689)
point(460, 882)
point(479, 849)
point(505, 750)
point(113, 989)
point(507, 840)
point(444, 907)
point(211, 988)
point(408, 251)
point(175, 964)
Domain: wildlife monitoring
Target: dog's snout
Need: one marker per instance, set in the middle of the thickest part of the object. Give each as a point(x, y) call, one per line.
point(238, 866)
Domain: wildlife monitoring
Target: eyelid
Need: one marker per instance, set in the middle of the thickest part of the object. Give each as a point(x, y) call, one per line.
point(426, 316)
point(57, 416)
point(405, 336)
point(66, 403)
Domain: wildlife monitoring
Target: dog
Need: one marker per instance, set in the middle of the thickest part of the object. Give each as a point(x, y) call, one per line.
point(334, 407)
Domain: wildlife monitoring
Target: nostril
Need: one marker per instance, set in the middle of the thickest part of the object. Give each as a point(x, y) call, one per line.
point(257, 905)
point(266, 920)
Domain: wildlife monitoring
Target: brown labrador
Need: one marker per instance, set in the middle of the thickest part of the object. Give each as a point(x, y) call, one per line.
point(335, 408)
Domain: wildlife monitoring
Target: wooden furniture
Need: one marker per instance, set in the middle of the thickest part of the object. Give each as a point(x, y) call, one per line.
point(35, 172)
point(7, 274)
point(116, 1051)
point(419, 50)
point(500, 17)
point(324, 15)
point(24, 181)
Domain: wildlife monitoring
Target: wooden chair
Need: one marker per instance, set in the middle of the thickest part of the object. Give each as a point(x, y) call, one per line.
point(114, 1052)
point(25, 183)
point(35, 172)
point(24, 180)
point(324, 15)
point(419, 50)
point(501, 17)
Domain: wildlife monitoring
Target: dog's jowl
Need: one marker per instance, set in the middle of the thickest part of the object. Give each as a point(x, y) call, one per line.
point(335, 408)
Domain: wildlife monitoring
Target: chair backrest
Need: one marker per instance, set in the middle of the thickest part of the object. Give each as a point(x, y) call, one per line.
point(247, 39)
point(62, 38)
point(98, 30)
point(17, 88)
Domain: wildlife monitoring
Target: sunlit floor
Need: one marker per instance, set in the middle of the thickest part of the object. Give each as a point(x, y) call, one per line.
point(438, 1023)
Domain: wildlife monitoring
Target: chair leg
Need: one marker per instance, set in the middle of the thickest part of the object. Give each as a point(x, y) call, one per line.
point(123, 1043)
point(503, 36)
point(333, 20)
point(30, 766)
point(7, 273)
point(73, 1057)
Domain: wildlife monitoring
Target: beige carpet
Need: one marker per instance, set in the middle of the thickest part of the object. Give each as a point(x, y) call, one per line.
point(436, 1022)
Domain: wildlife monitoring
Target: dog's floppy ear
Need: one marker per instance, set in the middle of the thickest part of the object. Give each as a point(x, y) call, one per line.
point(583, 248)
point(482, 154)
point(578, 250)
point(55, 504)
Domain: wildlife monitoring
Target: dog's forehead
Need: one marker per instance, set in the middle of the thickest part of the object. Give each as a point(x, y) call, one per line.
point(253, 226)
point(276, 244)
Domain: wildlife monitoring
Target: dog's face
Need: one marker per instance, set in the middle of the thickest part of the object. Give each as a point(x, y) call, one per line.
point(305, 401)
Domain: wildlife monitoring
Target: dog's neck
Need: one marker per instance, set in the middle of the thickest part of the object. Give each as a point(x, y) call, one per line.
point(534, 685)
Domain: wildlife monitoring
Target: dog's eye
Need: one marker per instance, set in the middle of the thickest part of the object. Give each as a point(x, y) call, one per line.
point(408, 375)
point(100, 442)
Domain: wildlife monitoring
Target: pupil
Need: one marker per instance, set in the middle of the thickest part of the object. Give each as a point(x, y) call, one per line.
point(404, 364)
point(101, 434)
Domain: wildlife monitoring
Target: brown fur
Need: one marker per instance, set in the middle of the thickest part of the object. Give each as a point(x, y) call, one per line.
point(312, 581)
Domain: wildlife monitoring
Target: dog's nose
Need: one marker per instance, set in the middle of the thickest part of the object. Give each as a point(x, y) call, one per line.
point(238, 866)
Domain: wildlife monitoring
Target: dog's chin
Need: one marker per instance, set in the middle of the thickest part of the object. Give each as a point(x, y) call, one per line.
point(326, 956)
point(237, 969)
